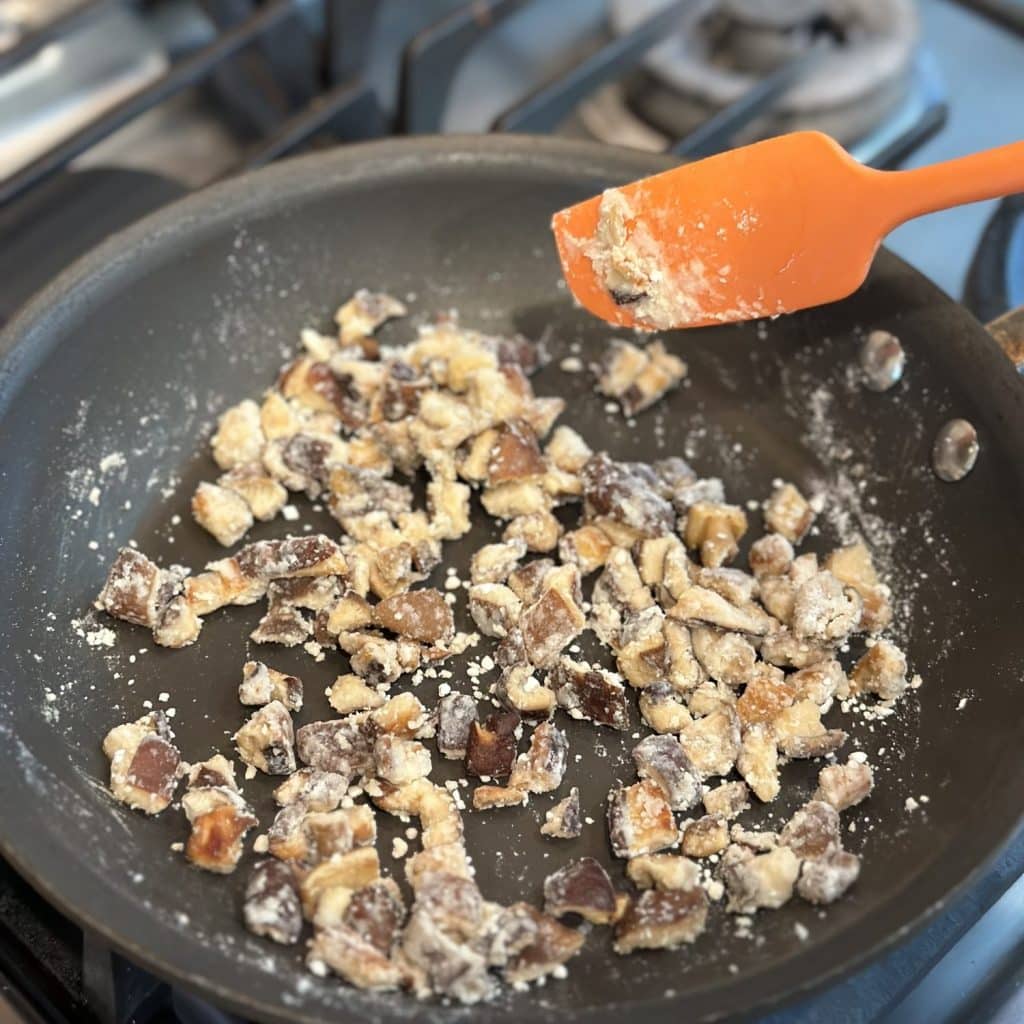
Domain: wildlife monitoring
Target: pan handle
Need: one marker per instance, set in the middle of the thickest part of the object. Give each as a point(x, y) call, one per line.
point(1008, 331)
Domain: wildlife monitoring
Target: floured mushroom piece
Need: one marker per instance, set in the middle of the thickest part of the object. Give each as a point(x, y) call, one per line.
point(590, 693)
point(667, 871)
point(759, 881)
point(638, 377)
point(582, 887)
point(788, 513)
point(550, 944)
point(219, 818)
point(825, 879)
point(271, 907)
point(456, 713)
point(662, 919)
point(420, 615)
point(844, 785)
point(144, 763)
point(564, 820)
point(640, 820)
point(662, 759)
point(267, 740)
point(541, 768)
point(261, 685)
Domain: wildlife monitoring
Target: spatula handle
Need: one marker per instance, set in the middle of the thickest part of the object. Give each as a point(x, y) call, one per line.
point(990, 174)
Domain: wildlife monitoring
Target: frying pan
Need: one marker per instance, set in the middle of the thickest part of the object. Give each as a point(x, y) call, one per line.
point(113, 374)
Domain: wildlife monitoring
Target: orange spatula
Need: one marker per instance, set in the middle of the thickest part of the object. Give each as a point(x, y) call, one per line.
point(770, 228)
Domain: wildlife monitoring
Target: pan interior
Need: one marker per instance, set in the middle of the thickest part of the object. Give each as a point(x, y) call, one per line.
point(119, 376)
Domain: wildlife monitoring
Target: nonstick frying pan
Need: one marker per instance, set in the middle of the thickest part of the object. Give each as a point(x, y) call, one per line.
point(112, 376)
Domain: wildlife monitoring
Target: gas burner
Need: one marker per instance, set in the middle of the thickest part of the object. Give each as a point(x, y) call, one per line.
point(722, 49)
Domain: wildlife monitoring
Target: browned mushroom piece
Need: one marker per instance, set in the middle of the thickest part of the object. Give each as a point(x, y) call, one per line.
point(813, 831)
point(491, 747)
point(550, 945)
point(364, 313)
point(789, 513)
point(662, 759)
point(758, 761)
point(586, 547)
point(555, 619)
point(820, 745)
point(261, 685)
point(640, 820)
point(421, 615)
point(715, 530)
point(486, 798)
point(350, 693)
point(527, 581)
point(214, 771)
point(144, 763)
point(564, 820)
point(701, 606)
point(137, 589)
point(590, 693)
point(819, 682)
point(313, 555)
point(825, 879)
point(271, 906)
point(705, 837)
point(844, 785)
point(662, 708)
point(522, 691)
point(267, 740)
point(220, 818)
point(662, 919)
point(223, 513)
point(767, 693)
point(515, 455)
point(452, 902)
point(581, 887)
point(712, 743)
point(542, 767)
point(344, 745)
point(726, 657)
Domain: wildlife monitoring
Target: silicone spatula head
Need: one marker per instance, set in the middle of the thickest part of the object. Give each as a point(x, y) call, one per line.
point(770, 228)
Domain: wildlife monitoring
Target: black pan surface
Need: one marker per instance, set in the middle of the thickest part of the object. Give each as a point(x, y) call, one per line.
point(112, 377)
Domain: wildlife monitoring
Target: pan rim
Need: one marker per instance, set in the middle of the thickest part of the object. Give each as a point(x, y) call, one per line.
point(289, 181)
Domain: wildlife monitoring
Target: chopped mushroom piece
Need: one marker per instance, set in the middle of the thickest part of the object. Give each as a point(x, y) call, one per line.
point(715, 530)
point(758, 761)
point(271, 906)
point(364, 313)
point(539, 531)
point(587, 548)
point(491, 747)
point(727, 800)
point(882, 670)
point(700, 606)
point(375, 912)
point(351, 870)
point(261, 685)
point(844, 785)
point(581, 887)
point(354, 959)
point(590, 693)
point(761, 842)
point(421, 615)
point(853, 566)
point(666, 871)
point(564, 820)
point(144, 764)
point(443, 965)
point(495, 608)
point(221, 512)
point(267, 740)
point(658, 919)
point(662, 759)
point(640, 820)
point(662, 709)
point(726, 657)
point(824, 879)
point(316, 790)
point(770, 555)
point(220, 818)
point(813, 831)
point(486, 797)
point(550, 945)
point(788, 512)
point(400, 761)
point(554, 620)
point(239, 438)
point(216, 771)
point(638, 377)
point(542, 767)
point(762, 881)
point(350, 693)
point(493, 562)
point(456, 713)
point(824, 610)
point(344, 746)
point(712, 743)
point(705, 836)
point(518, 687)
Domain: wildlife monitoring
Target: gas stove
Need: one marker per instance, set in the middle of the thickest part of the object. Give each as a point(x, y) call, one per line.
point(109, 110)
